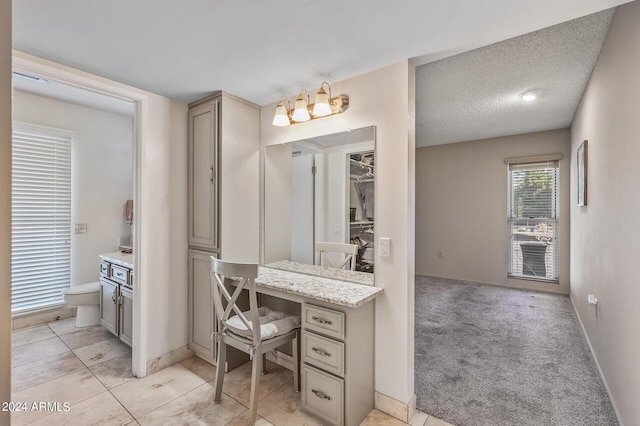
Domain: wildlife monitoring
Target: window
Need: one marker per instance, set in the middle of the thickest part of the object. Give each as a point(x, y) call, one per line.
point(40, 217)
point(533, 220)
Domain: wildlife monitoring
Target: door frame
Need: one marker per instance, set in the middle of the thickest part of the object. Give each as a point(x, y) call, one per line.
point(33, 65)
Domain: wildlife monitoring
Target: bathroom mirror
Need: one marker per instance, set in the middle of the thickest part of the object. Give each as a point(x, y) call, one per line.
point(320, 189)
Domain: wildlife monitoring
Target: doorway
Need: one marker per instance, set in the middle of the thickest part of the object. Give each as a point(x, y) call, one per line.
point(75, 88)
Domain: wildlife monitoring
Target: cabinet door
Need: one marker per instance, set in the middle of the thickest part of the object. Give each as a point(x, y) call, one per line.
point(201, 315)
point(126, 315)
point(203, 170)
point(109, 305)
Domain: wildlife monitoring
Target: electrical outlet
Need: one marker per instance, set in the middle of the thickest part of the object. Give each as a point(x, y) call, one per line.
point(80, 228)
point(384, 247)
point(440, 254)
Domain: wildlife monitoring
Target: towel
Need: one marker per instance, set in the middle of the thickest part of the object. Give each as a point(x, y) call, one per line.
point(128, 215)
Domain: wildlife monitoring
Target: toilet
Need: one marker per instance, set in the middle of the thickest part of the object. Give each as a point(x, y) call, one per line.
point(87, 298)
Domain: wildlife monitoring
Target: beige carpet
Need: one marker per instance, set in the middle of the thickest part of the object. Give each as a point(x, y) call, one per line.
point(488, 355)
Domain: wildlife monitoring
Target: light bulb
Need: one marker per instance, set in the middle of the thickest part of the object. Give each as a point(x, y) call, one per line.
point(281, 118)
point(300, 112)
point(321, 107)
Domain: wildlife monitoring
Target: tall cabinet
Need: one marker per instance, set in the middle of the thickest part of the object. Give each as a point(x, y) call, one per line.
point(224, 200)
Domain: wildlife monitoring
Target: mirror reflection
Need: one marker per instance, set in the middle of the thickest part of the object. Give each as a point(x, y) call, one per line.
point(320, 197)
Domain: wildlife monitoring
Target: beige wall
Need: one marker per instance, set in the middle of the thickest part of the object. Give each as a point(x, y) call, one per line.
point(161, 239)
point(461, 208)
point(5, 207)
point(383, 98)
point(605, 243)
point(239, 180)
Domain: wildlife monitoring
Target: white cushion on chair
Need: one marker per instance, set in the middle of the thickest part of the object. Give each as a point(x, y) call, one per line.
point(272, 324)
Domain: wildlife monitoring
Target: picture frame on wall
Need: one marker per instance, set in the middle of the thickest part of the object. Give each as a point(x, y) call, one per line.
point(582, 173)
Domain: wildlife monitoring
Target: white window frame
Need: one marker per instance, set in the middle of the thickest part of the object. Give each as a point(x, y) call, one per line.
point(533, 231)
point(40, 249)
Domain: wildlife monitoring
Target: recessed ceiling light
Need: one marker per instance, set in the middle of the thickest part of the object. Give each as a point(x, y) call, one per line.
point(529, 95)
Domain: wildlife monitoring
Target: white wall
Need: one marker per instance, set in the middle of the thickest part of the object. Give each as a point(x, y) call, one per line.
point(302, 226)
point(101, 174)
point(383, 98)
point(276, 215)
point(160, 217)
point(605, 247)
point(461, 208)
point(5, 206)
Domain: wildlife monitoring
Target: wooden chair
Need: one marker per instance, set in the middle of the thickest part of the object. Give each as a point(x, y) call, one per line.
point(349, 250)
point(254, 332)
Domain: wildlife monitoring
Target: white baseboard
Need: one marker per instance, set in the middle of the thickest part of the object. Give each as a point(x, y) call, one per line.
point(42, 316)
point(595, 358)
point(395, 408)
point(168, 359)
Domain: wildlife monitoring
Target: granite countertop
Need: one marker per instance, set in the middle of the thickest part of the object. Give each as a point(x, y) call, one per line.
point(329, 290)
point(119, 258)
point(363, 278)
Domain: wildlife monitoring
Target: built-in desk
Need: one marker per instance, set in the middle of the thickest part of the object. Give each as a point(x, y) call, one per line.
point(337, 350)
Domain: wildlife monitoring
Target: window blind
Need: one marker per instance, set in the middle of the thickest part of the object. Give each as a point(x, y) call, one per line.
point(40, 218)
point(533, 220)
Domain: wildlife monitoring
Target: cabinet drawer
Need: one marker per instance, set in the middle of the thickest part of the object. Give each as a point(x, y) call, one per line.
point(323, 395)
point(119, 274)
point(323, 321)
point(104, 269)
point(323, 353)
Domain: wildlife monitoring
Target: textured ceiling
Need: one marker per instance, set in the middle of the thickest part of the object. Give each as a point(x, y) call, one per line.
point(474, 95)
point(259, 49)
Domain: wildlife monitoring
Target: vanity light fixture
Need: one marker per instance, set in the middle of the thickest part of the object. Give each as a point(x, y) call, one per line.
point(530, 95)
point(304, 110)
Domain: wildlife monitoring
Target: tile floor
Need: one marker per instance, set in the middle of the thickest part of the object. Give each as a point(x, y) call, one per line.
point(85, 377)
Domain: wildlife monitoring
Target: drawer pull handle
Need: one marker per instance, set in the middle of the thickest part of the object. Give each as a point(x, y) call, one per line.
point(321, 394)
point(320, 352)
point(321, 320)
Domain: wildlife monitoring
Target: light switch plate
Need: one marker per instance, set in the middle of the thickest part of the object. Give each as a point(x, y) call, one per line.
point(385, 247)
point(80, 228)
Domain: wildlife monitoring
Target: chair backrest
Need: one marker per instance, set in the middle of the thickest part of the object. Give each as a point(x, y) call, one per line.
point(349, 250)
point(226, 276)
